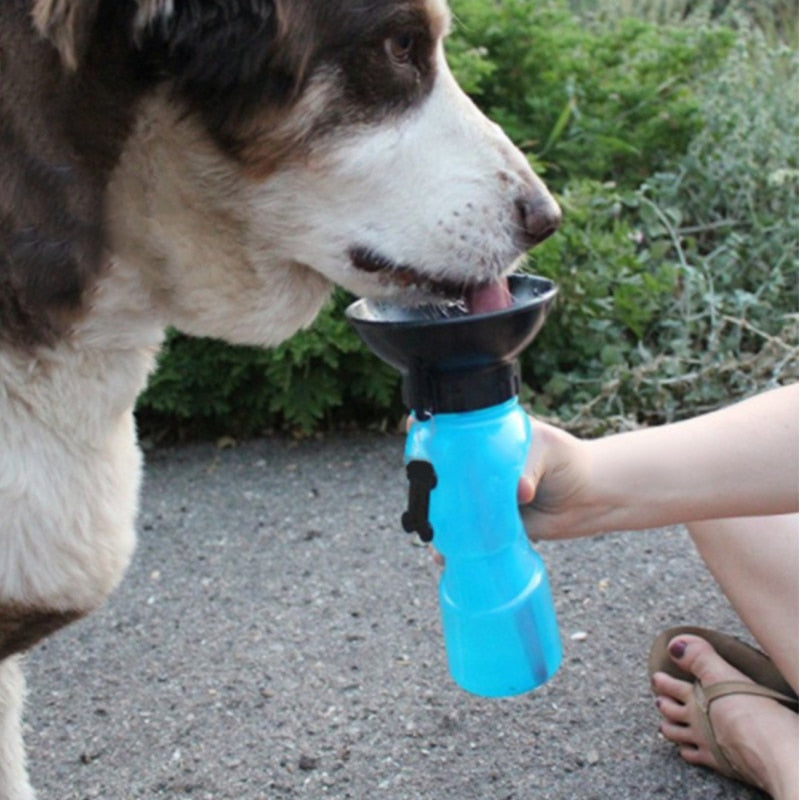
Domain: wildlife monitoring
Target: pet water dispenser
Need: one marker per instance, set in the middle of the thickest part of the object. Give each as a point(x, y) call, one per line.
point(465, 452)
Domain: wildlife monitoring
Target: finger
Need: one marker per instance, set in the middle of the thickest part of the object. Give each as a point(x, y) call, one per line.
point(438, 558)
point(526, 490)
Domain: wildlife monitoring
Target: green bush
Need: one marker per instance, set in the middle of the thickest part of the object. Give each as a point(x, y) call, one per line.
point(611, 102)
point(321, 377)
point(682, 294)
point(672, 148)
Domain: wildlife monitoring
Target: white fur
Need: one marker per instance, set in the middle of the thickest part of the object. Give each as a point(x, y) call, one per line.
point(433, 190)
point(69, 468)
point(14, 783)
point(184, 220)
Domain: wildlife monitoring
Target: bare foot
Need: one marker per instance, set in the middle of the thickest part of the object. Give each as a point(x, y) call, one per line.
point(757, 735)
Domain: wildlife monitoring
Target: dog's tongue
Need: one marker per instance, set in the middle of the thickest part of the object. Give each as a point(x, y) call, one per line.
point(489, 297)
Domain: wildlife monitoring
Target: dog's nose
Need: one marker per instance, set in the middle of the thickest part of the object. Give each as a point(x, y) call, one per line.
point(539, 218)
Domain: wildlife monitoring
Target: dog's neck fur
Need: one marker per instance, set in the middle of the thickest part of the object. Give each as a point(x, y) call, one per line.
point(174, 241)
point(189, 232)
point(70, 404)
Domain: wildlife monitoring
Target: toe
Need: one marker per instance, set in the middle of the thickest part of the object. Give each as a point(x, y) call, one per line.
point(666, 686)
point(678, 734)
point(697, 756)
point(697, 657)
point(672, 711)
point(690, 746)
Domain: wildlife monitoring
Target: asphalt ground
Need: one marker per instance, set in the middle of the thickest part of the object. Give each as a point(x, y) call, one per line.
point(277, 636)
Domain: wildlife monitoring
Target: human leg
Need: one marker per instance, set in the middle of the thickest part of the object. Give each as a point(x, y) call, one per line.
point(755, 562)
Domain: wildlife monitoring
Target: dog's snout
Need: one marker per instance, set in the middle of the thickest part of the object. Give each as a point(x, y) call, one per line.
point(539, 218)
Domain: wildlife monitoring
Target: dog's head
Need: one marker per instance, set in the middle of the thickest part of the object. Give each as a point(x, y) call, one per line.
point(236, 150)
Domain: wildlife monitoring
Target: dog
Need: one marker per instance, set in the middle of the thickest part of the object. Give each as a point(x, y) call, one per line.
point(215, 165)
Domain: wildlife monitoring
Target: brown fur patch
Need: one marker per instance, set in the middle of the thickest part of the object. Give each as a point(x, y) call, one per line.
point(21, 627)
point(276, 138)
point(345, 77)
point(60, 136)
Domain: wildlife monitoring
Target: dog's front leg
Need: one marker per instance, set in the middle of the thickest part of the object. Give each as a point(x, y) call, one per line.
point(14, 783)
point(19, 629)
point(68, 498)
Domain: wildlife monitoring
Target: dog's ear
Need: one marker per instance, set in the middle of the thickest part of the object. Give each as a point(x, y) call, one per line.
point(213, 43)
point(223, 56)
point(61, 132)
point(67, 24)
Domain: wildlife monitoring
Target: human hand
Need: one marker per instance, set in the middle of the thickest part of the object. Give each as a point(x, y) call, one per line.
point(553, 491)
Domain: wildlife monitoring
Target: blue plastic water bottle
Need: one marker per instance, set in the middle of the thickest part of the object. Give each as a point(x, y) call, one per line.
point(500, 628)
point(465, 452)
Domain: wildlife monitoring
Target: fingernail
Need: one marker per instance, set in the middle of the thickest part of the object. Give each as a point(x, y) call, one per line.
point(658, 702)
point(677, 649)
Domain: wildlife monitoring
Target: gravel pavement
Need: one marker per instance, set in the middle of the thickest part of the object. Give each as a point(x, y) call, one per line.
point(277, 636)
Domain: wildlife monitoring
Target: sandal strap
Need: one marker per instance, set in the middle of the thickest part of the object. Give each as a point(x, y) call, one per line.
point(704, 696)
point(724, 688)
point(724, 765)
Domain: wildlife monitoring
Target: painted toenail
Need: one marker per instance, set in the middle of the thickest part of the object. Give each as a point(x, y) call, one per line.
point(677, 649)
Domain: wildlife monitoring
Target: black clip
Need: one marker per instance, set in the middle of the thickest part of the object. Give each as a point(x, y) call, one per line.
point(421, 479)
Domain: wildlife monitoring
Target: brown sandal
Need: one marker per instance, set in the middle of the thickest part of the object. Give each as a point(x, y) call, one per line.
point(767, 680)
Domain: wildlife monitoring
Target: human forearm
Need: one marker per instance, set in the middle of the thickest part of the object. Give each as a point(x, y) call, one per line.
point(739, 461)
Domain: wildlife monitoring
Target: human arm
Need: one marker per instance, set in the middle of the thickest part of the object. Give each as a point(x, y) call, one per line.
point(739, 461)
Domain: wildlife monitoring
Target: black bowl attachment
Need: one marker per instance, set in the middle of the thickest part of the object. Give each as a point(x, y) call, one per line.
point(451, 360)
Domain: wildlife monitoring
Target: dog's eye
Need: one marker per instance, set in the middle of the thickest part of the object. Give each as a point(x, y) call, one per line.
point(400, 47)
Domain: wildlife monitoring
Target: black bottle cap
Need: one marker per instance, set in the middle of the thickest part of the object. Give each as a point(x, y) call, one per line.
point(451, 360)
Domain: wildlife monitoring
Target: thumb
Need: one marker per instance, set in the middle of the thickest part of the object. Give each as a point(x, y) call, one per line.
point(526, 490)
